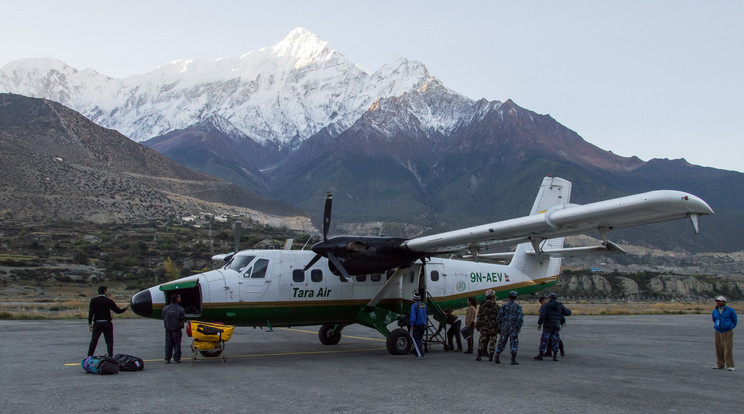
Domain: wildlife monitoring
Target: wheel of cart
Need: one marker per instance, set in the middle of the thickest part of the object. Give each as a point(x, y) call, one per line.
point(208, 349)
point(209, 339)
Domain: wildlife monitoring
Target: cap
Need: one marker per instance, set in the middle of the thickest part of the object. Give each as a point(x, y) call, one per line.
point(513, 294)
point(490, 293)
point(721, 298)
point(416, 296)
point(553, 295)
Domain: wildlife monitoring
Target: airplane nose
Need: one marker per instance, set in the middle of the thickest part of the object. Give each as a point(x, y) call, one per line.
point(141, 303)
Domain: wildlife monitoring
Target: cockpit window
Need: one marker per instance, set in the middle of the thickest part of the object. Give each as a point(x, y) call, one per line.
point(238, 263)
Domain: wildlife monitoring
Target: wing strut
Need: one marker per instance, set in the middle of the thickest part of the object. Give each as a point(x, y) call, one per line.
point(695, 222)
point(386, 287)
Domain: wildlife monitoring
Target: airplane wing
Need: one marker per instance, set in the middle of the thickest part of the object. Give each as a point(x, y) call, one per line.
point(552, 216)
point(569, 219)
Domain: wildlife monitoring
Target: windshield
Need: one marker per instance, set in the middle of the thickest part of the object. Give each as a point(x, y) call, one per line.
point(238, 263)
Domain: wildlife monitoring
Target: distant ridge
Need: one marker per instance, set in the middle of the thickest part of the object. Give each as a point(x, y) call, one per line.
point(59, 166)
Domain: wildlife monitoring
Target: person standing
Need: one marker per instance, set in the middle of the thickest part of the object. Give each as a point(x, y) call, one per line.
point(510, 321)
point(542, 301)
point(470, 321)
point(99, 320)
point(486, 324)
point(549, 321)
point(173, 318)
point(418, 320)
point(724, 322)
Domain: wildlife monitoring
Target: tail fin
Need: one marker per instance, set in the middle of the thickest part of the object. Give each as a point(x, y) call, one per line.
point(554, 193)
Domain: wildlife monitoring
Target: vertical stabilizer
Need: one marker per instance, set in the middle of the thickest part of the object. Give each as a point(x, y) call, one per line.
point(554, 193)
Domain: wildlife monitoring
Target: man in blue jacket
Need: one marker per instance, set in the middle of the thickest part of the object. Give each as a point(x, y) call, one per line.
point(724, 322)
point(418, 324)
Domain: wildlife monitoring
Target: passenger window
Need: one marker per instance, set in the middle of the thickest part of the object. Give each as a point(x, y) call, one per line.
point(361, 278)
point(375, 277)
point(247, 273)
point(316, 275)
point(434, 276)
point(410, 277)
point(298, 276)
point(259, 269)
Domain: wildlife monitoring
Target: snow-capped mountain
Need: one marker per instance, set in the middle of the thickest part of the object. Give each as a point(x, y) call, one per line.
point(281, 94)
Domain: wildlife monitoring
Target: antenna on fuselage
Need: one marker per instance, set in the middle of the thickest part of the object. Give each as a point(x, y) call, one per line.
point(238, 228)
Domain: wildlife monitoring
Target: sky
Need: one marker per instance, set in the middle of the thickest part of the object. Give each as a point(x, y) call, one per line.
point(655, 79)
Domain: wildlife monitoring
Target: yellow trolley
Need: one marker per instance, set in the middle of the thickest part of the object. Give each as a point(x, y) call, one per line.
point(209, 339)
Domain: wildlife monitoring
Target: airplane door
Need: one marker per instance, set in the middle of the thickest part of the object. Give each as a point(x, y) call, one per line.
point(216, 286)
point(410, 281)
point(255, 280)
point(438, 283)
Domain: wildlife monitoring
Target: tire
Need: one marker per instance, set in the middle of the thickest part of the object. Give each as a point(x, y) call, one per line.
point(327, 336)
point(399, 342)
point(211, 354)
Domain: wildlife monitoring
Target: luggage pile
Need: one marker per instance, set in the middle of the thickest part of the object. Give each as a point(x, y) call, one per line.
point(106, 365)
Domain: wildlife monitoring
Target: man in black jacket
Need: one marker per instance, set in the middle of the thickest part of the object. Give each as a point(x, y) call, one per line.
point(551, 315)
point(99, 320)
point(173, 318)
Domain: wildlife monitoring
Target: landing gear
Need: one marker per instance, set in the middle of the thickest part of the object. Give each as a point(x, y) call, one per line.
point(399, 342)
point(330, 334)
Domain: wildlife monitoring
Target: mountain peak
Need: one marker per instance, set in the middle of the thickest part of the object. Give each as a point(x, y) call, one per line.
point(304, 46)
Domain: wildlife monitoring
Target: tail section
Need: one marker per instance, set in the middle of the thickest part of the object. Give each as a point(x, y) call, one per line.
point(554, 194)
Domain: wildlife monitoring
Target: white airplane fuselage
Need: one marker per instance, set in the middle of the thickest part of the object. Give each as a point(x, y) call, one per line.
point(285, 295)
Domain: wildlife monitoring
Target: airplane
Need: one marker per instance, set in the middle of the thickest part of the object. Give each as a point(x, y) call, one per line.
point(370, 280)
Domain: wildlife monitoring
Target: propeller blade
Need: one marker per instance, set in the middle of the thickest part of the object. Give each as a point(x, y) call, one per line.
point(332, 257)
point(327, 215)
point(312, 262)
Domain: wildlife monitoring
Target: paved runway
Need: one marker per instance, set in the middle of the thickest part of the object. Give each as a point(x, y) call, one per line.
point(613, 364)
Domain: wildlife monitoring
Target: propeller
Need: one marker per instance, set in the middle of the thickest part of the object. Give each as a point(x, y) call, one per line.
point(357, 255)
point(329, 254)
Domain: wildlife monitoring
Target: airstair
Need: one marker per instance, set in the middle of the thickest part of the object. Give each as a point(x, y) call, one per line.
point(436, 325)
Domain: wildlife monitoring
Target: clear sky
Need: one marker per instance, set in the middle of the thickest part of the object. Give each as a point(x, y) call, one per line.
point(656, 79)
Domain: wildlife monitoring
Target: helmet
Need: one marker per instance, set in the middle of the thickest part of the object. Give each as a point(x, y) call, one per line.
point(490, 293)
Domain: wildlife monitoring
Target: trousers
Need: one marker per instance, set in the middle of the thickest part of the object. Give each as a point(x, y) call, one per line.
point(725, 349)
point(173, 345)
point(107, 329)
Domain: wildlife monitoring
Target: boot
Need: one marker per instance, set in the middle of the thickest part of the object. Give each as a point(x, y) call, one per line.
point(490, 357)
point(514, 359)
point(497, 358)
point(478, 358)
point(555, 356)
point(539, 356)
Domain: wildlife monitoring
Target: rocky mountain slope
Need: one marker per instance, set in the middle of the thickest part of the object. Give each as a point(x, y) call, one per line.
point(59, 166)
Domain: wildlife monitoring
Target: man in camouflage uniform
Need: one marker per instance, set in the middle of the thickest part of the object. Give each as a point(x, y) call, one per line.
point(486, 324)
point(510, 321)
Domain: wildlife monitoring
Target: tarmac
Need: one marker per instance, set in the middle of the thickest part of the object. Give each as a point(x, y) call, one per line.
point(613, 364)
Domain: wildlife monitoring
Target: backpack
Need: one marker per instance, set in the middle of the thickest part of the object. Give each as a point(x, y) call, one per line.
point(103, 365)
point(129, 362)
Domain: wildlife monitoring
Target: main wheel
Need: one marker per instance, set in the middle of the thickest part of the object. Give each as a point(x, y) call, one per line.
point(328, 336)
point(399, 342)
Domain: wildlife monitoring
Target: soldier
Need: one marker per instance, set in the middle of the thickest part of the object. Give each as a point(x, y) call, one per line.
point(510, 321)
point(551, 315)
point(486, 324)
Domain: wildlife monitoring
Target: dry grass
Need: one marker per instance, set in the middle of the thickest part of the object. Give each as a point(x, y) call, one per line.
point(25, 301)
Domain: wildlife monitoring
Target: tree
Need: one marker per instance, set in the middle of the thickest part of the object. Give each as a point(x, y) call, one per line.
point(171, 269)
